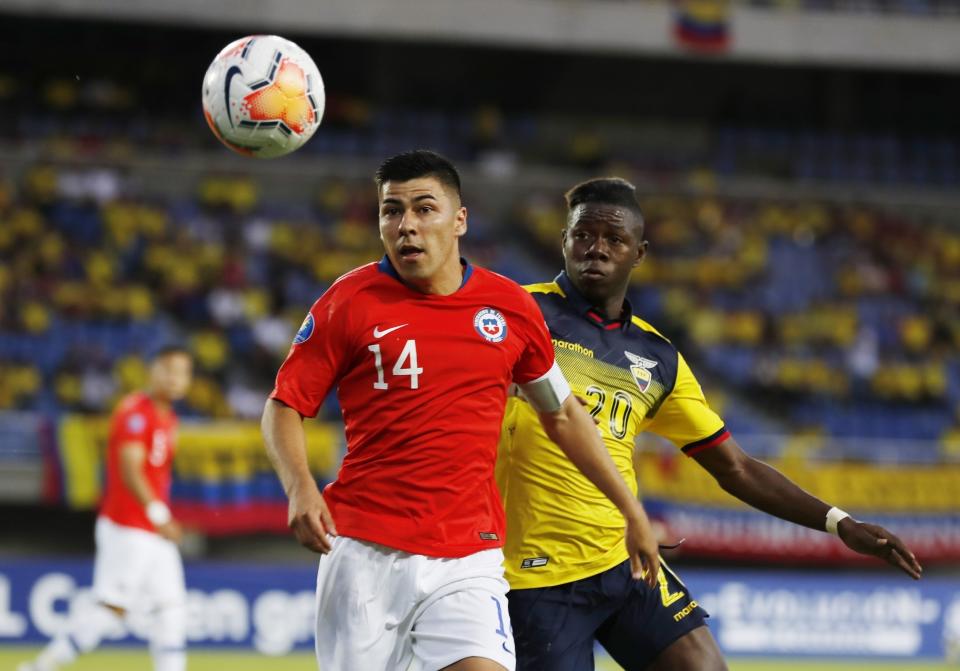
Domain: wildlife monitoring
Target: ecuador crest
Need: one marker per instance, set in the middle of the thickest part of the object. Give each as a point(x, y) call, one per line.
point(640, 369)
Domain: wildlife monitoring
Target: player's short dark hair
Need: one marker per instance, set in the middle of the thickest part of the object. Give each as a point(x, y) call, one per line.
point(418, 163)
point(169, 349)
point(605, 191)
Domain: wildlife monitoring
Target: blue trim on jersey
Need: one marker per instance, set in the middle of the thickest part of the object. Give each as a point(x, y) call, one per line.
point(583, 306)
point(384, 266)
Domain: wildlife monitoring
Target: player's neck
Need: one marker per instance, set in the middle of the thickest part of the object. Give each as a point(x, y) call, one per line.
point(610, 308)
point(160, 401)
point(444, 282)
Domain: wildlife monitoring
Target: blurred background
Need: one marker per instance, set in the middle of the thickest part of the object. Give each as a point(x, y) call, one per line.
point(798, 162)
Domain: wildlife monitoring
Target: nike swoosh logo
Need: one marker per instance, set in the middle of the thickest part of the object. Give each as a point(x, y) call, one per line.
point(234, 70)
point(377, 333)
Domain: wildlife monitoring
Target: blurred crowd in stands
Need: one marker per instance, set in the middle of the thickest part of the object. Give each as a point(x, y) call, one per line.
point(93, 281)
point(102, 118)
point(837, 319)
point(822, 318)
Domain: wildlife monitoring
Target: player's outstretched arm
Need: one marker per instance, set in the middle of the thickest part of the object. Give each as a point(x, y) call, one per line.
point(308, 515)
point(767, 489)
point(133, 457)
point(572, 428)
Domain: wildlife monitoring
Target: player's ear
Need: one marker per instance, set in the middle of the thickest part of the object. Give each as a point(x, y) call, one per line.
point(641, 253)
point(460, 222)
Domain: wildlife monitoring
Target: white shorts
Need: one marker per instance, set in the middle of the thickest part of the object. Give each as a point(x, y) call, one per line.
point(380, 608)
point(136, 570)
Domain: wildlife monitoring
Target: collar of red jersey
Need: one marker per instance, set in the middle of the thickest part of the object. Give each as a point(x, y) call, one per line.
point(589, 312)
point(386, 267)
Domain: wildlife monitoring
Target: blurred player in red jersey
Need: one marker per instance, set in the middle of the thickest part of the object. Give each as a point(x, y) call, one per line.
point(137, 565)
point(422, 347)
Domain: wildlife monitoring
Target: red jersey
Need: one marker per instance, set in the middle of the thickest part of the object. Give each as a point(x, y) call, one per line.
point(137, 419)
point(422, 382)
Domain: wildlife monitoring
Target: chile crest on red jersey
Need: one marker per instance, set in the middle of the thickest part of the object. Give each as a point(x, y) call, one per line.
point(490, 324)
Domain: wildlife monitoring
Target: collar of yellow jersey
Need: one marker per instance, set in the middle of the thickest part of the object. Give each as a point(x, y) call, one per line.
point(589, 311)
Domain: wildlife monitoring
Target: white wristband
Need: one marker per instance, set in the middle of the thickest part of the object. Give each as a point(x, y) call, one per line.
point(158, 513)
point(834, 515)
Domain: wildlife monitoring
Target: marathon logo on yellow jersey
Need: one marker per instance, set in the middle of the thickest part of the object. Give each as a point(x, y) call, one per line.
point(640, 369)
point(689, 608)
point(573, 347)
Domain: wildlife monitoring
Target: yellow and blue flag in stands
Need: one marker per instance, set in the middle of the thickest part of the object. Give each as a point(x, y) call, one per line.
point(702, 25)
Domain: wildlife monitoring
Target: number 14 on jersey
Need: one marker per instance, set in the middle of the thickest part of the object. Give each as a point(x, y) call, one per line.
point(406, 364)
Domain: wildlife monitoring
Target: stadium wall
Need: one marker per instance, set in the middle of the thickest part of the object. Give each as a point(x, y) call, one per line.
point(919, 503)
point(224, 485)
point(269, 608)
point(223, 481)
point(750, 34)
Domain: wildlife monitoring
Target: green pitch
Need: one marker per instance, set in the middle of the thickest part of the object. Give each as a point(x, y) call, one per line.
point(137, 659)
point(209, 660)
point(825, 665)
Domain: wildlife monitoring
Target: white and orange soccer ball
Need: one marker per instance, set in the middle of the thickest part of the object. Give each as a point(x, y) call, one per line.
point(263, 96)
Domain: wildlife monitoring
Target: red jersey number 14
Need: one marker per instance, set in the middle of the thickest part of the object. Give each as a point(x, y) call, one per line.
point(406, 364)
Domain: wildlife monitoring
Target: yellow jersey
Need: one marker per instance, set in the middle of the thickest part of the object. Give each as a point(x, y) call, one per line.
point(560, 527)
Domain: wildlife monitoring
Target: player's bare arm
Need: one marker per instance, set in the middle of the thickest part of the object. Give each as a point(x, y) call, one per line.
point(308, 515)
point(572, 428)
point(133, 456)
point(769, 490)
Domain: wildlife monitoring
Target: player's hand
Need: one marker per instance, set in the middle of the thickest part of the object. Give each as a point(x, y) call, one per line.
point(642, 547)
point(870, 539)
point(310, 519)
point(172, 531)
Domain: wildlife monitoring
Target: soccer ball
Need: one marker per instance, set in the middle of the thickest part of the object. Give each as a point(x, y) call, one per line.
point(263, 96)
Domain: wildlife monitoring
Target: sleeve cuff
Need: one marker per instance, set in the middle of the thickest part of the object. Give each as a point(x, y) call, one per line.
point(278, 395)
point(712, 440)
